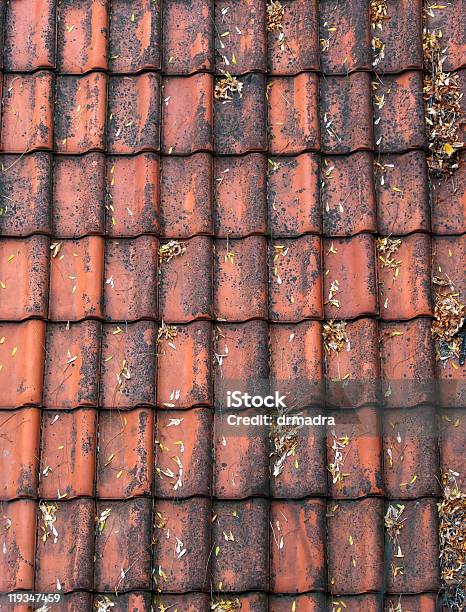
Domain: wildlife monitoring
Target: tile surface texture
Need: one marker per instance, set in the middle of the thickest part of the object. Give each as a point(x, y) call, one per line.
point(201, 195)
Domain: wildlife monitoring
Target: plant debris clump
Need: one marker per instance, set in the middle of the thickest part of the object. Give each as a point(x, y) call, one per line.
point(229, 84)
point(386, 249)
point(452, 543)
point(444, 117)
point(335, 337)
point(449, 315)
point(171, 249)
point(394, 523)
point(226, 605)
point(284, 441)
point(275, 14)
point(378, 11)
point(49, 517)
point(104, 604)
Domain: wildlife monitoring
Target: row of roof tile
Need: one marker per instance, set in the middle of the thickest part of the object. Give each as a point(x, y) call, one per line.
point(126, 37)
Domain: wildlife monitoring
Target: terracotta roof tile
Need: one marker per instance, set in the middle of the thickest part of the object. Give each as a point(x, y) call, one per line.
point(345, 113)
point(187, 114)
point(240, 194)
point(188, 36)
point(426, 602)
point(297, 530)
point(407, 363)
point(69, 560)
point(134, 43)
point(67, 465)
point(24, 277)
point(406, 294)
point(185, 283)
point(351, 277)
point(449, 203)
point(447, 18)
point(21, 377)
point(399, 113)
point(134, 113)
point(132, 189)
point(76, 279)
point(79, 187)
point(25, 187)
point(240, 123)
point(240, 273)
point(295, 279)
point(130, 290)
point(173, 523)
point(348, 208)
point(179, 435)
point(82, 36)
point(20, 450)
point(29, 35)
point(345, 36)
point(401, 35)
point(293, 195)
point(402, 194)
point(312, 602)
point(124, 543)
point(293, 117)
point(188, 363)
point(452, 431)
point(27, 117)
point(186, 195)
point(127, 376)
point(301, 49)
point(355, 546)
point(17, 565)
point(73, 355)
point(241, 567)
point(80, 113)
point(241, 37)
point(125, 457)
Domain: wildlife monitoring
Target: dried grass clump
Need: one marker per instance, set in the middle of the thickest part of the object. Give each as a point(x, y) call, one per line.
point(452, 543)
point(444, 116)
point(275, 14)
point(448, 320)
point(171, 249)
point(335, 337)
point(229, 84)
point(226, 605)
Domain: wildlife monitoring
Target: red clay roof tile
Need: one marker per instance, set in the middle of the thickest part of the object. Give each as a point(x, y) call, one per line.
point(134, 113)
point(133, 185)
point(293, 195)
point(79, 187)
point(134, 42)
point(76, 279)
point(22, 360)
point(24, 277)
point(186, 195)
point(312, 602)
point(17, 564)
point(130, 290)
point(240, 279)
point(188, 37)
point(82, 36)
point(187, 114)
point(27, 117)
point(183, 545)
point(348, 203)
point(25, 190)
point(184, 376)
point(446, 17)
point(73, 356)
point(345, 113)
point(240, 195)
point(355, 546)
point(181, 435)
point(350, 283)
point(452, 431)
point(30, 30)
point(295, 279)
point(185, 283)
point(127, 375)
point(240, 122)
point(426, 602)
point(20, 450)
point(67, 465)
point(298, 529)
point(293, 114)
point(402, 194)
point(449, 202)
point(241, 37)
point(300, 49)
point(345, 36)
point(125, 458)
point(80, 105)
